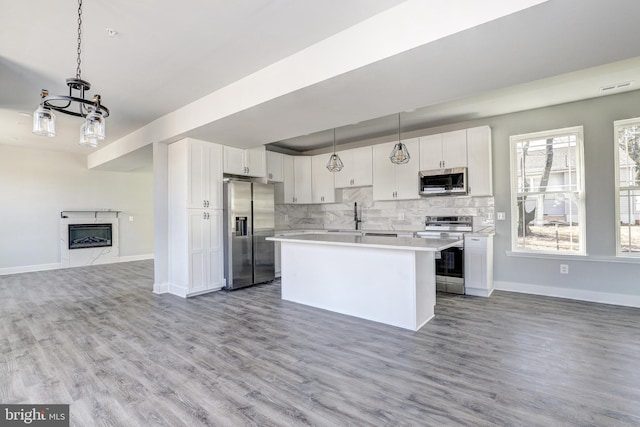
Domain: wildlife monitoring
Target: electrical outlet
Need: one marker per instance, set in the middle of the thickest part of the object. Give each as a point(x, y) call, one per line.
point(401, 216)
point(131, 218)
point(286, 218)
point(501, 216)
point(564, 269)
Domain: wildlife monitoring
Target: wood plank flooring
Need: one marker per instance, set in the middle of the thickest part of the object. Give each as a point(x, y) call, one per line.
point(98, 339)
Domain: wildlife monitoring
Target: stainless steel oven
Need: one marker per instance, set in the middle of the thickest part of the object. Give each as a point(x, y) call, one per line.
point(449, 262)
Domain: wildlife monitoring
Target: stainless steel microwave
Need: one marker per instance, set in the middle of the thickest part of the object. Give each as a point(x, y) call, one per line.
point(443, 182)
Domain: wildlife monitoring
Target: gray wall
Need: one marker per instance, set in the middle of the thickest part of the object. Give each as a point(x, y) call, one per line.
point(599, 271)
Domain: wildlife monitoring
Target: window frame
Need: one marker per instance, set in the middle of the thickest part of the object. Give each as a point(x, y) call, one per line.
point(578, 131)
point(617, 124)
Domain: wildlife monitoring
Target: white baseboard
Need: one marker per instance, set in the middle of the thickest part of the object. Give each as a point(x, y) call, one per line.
point(28, 268)
point(129, 258)
point(160, 288)
point(478, 292)
point(56, 266)
point(570, 293)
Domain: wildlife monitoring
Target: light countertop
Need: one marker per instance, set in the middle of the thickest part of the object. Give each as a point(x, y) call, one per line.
point(483, 232)
point(399, 243)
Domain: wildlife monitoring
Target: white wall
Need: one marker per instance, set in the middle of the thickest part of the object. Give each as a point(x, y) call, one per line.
point(35, 185)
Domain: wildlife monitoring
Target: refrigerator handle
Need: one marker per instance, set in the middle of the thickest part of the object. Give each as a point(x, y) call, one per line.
point(241, 226)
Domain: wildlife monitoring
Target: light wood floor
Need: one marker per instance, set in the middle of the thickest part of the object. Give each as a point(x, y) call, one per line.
point(98, 339)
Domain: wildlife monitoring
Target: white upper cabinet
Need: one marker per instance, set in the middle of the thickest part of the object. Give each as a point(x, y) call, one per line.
point(395, 182)
point(322, 180)
point(358, 168)
point(479, 152)
point(275, 165)
point(247, 162)
point(443, 150)
point(285, 192)
point(256, 161)
point(296, 185)
point(196, 173)
point(302, 177)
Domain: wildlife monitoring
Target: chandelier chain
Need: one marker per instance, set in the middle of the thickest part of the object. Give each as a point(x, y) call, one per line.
point(79, 50)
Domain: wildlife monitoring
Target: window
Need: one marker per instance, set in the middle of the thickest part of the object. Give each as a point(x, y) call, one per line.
point(627, 161)
point(547, 196)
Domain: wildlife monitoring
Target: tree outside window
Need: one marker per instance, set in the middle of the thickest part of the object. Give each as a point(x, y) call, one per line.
point(627, 150)
point(547, 192)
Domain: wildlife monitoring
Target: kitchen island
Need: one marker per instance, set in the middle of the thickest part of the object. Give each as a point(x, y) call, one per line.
point(384, 279)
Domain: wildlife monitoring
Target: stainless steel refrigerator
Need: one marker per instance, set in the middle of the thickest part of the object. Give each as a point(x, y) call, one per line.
point(248, 221)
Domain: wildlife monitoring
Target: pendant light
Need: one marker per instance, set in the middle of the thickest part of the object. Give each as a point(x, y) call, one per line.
point(334, 164)
point(399, 154)
point(73, 104)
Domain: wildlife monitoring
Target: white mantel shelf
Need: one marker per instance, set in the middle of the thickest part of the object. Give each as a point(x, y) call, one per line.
point(93, 211)
point(384, 279)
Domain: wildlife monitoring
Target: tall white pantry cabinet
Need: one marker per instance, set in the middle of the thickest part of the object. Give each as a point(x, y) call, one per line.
point(195, 217)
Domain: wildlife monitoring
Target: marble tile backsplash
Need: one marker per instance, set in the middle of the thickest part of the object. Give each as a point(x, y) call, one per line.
point(382, 215)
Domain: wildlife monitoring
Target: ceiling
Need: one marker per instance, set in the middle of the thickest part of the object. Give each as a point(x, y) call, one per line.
point(549, 53)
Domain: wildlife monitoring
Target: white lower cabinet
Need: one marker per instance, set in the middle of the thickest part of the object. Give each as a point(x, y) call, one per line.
point(478, 265)
point(205, 272)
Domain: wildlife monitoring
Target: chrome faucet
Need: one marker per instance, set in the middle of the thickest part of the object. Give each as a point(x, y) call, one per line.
point(355, 215)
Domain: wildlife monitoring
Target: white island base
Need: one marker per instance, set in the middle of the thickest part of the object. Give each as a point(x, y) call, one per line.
point(391, 284)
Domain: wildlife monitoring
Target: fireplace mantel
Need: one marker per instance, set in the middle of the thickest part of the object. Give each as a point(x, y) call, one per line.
point(93, 255)
point(94, 212)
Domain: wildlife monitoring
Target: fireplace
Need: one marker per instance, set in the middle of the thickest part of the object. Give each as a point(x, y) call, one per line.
point(89, 235)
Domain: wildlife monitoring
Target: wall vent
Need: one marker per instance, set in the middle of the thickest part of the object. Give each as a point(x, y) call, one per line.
point(609, 88)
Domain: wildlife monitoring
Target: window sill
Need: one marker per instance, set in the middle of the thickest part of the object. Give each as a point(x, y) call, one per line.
point(620, 258)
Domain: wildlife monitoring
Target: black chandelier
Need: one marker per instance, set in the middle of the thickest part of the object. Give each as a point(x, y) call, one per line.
point(74, 104)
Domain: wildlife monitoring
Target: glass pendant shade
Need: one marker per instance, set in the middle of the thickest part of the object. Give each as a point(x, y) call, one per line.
point(84, 140)
point(44, 122)
point(334, 164)
point(400, 154)
point(94, 126)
